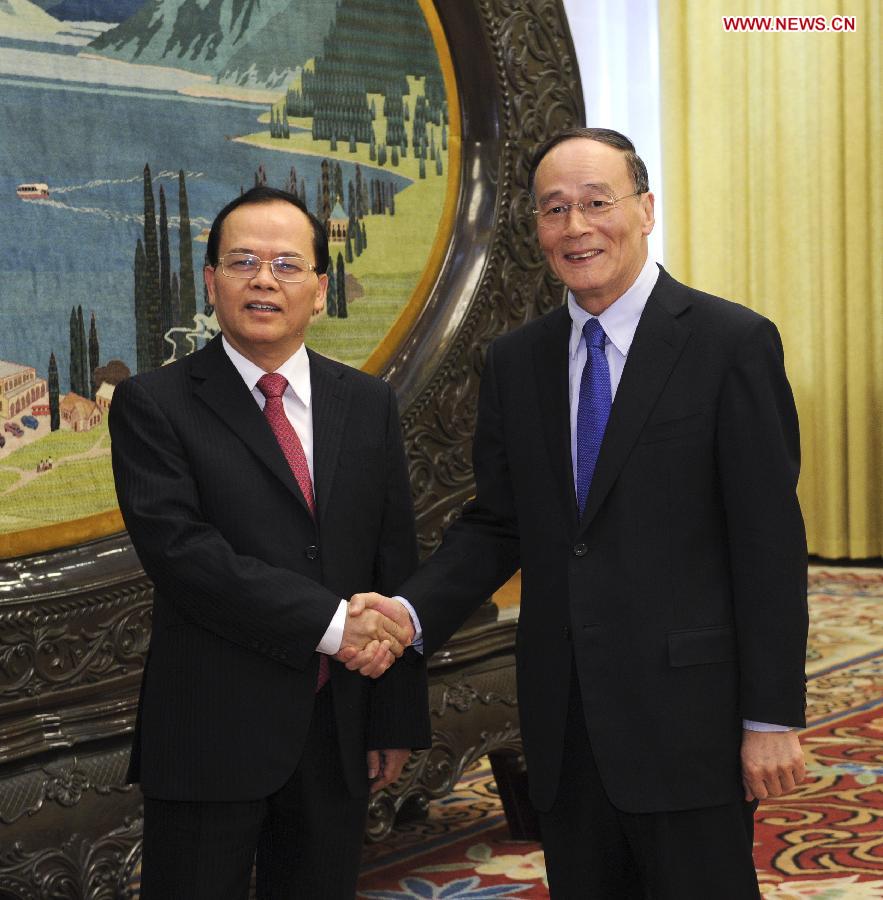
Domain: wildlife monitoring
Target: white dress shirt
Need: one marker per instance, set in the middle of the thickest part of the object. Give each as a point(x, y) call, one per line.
point(296, 402)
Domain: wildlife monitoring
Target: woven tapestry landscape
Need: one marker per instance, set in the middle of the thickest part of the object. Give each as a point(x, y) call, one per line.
point(127, 125)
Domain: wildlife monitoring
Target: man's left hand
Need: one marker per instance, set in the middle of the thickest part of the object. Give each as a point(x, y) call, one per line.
point(385, 766)
point(772, 763)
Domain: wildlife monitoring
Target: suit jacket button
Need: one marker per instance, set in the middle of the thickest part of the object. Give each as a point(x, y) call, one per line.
point(580, 550)
point(567, 632)
point(312, 552)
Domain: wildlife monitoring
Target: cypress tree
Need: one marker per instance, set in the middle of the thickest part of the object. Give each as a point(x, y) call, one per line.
point(176, 300)
point(94, 357)
point(331, 293)
point(325, 194)
point(341, 288)
point(349, 247)
point(186, 282)
point(83, 390)
point(361, 199)
point(165, 268)
point(75, 369)
point(152, 305)
point(142, 346)
point(338, 182)
point(54, 413)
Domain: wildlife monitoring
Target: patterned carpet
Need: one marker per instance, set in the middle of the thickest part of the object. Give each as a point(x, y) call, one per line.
point(825, 841)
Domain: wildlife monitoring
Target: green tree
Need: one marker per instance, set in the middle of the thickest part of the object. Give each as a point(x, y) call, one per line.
point(54, 411)
point(331, 293)
point(185, 256)
point(142, 343)
point(152, 309)
point(84, 354)
point(94, 357)
point(341, 288)
point(75, 367)
point(165, 269)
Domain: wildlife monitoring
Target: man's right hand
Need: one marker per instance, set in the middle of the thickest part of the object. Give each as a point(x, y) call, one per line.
point(364, 627)
point(375, 658)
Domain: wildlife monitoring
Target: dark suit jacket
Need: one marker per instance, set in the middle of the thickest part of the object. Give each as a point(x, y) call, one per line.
point(246, 582)
point(681, 594)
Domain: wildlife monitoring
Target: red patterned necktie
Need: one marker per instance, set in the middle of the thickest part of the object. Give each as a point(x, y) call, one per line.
point(273, 386)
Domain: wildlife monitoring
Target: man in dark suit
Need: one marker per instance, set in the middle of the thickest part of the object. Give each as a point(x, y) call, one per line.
point(636, 454)
point(262, 483)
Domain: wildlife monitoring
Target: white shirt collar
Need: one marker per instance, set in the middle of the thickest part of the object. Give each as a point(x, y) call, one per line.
point(296, 370)
point(620, 319)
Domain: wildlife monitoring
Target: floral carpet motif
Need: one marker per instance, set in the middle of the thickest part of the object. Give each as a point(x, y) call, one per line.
point(824, 842)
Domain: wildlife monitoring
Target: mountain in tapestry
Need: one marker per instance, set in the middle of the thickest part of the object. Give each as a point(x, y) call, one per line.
point(237, 41)
point(25, 19)
point(92, 10)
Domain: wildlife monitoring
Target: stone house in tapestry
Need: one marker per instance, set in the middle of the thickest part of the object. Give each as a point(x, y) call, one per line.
point(79, 413)
point(104, 395)
point(19, 388)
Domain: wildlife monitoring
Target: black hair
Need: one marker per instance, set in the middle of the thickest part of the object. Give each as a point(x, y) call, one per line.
point(264, 194)
point(633, 162)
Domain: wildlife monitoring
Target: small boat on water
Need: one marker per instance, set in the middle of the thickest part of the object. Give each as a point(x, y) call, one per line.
point(33, 191)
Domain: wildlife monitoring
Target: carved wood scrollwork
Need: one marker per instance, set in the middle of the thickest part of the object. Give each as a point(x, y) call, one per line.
point(525, 89)
point(67, 643)
point(80, 867)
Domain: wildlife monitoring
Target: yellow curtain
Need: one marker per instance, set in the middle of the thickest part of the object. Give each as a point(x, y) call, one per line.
point(773, 178)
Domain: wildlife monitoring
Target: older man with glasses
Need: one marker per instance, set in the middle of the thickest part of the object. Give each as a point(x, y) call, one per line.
point(636, 454)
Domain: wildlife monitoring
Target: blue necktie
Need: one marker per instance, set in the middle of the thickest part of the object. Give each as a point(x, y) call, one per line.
point(593, 410)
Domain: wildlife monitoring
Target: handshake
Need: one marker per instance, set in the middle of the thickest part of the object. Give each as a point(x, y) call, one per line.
point(375, 635)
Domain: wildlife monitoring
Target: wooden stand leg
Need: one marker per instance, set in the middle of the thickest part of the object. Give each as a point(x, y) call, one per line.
point(511, 777)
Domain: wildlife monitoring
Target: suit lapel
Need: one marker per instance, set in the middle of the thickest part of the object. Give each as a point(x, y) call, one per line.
point(551, 361)
point(657, 345)
point(331, 397)
point(221, 388)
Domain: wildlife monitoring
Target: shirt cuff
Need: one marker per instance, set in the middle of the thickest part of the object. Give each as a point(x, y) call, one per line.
point(417, 643)
point(333, 637)
point(750, 725)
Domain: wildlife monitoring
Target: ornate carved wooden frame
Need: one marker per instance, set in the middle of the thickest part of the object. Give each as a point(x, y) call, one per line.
point(518, 83)
point(74, 623)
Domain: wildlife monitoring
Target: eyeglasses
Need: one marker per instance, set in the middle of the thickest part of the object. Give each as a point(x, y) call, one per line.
point(291, 269)
point(554, 213)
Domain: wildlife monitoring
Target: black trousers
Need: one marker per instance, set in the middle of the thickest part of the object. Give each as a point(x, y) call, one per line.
point(306, 838)
point(595, 851)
